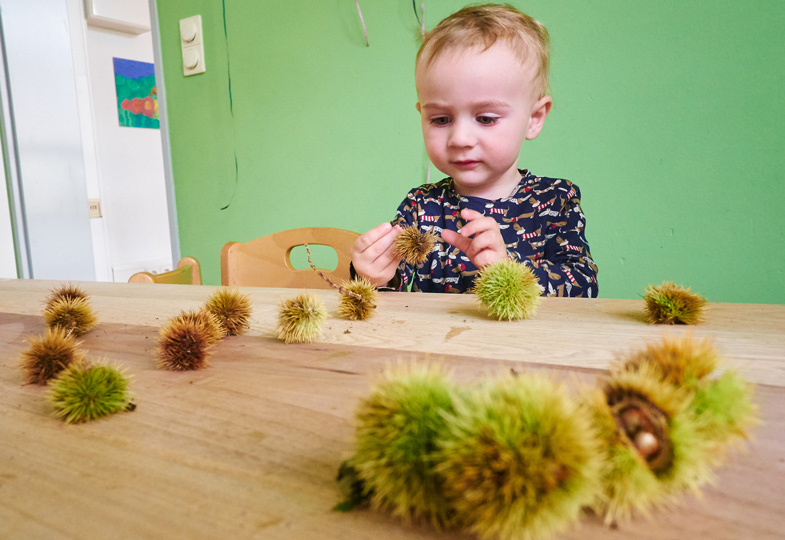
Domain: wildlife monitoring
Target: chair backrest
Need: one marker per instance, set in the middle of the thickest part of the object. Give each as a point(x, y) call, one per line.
point(265, 262)
point(187, 272)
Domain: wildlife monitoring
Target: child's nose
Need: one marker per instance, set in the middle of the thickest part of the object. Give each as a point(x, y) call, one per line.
point(462, 134)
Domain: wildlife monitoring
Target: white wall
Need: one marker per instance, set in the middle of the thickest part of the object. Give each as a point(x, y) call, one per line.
point(123, 165)
point(77, 27)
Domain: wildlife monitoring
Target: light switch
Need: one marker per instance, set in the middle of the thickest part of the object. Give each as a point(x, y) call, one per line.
point(192, 45)
point(95, 207)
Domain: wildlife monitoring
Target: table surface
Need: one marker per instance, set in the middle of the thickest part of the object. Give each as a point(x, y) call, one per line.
point(249, 447)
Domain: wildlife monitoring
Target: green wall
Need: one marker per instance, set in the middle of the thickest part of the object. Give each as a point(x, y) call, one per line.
point(668, 115)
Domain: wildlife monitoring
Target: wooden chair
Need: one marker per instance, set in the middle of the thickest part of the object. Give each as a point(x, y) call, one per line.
point(187, 272)
point(265, 262)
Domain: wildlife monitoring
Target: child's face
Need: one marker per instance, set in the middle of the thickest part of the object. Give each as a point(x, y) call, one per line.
point(477, 108)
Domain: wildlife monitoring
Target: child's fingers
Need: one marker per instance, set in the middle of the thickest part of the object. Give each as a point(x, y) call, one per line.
point(479, 226)
point(384, 257)
point(389, 271)
point(372, 255)
point(480, 239)
point(381, 270)
point(367, 239)
point(486, 257)
point(483, 240)
point(470, 215)
point(453, 238)
point(375, 242)
point(383, 248)
point(488, 241)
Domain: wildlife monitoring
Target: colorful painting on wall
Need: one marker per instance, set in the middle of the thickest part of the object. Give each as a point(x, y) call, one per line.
point(137, 102)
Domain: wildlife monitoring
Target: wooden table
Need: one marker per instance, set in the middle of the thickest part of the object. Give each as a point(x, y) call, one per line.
point(249, 447)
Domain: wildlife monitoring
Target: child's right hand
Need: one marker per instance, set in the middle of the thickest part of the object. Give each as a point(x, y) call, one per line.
point(372, 254)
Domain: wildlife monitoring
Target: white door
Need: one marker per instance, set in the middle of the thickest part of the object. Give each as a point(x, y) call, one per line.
point(42, 135)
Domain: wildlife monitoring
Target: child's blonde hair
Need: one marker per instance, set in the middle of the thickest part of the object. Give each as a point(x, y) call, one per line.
point(482, 26)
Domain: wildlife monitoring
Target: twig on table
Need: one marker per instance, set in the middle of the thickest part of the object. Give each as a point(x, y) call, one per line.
point(342, 290)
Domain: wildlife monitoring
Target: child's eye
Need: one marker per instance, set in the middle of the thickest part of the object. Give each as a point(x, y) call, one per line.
point(440, 121)
point(486, 120)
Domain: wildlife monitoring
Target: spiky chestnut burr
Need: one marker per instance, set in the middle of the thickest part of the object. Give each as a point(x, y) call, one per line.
point(413, 245)
point(642, 405)
point(352, 488)
point(66, 292)
point(300, 319)
point(725, 411)
point(671, 304)
point(232, 309)
point(49, 354)
point(72, 314)
point(656, 450)
point(682, 362)
point(628, 484)
point(399, 427)
point(357, 309)
point(184, 344)
point(84, 392)
point(509, 290)
point(723, 407)
point(203, 318)
point(520, 459)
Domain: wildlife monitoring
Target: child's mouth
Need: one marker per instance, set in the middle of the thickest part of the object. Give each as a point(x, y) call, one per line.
point(466, 163)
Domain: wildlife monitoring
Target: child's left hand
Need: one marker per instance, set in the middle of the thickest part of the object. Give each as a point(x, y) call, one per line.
point(480, 239)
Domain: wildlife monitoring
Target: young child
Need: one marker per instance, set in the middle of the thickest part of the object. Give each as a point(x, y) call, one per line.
point(482, 82)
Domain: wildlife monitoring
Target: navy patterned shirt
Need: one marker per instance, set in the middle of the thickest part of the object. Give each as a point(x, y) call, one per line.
point(541, 223)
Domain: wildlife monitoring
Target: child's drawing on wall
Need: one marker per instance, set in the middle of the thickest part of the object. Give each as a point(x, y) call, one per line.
point(137, 102)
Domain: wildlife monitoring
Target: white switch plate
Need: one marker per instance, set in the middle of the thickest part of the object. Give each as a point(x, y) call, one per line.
point(192, 45)
point(95, 207)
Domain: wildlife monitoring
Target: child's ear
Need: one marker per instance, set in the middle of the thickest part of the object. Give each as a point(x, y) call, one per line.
point(417, 106)
point(540, 111)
